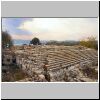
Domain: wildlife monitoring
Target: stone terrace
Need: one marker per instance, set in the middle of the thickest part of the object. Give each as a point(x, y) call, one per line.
point(56, 63)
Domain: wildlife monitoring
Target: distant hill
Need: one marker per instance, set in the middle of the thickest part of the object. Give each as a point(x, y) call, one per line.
point(66, 43)
point(21, 42)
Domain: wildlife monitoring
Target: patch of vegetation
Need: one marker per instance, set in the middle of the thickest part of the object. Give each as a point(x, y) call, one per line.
point(19, 75)
point(35, 41)
point(13, 74)
point(90, 42)
point(90, 72)
point(6, 40)
point(65, 43)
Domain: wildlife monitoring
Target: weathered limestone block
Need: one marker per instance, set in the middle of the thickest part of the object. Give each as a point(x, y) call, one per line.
point(23, 67)
point(29, 72)
point(57, 75)
point(42, 78)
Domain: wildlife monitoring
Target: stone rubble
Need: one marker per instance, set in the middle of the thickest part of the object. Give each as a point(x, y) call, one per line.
point(52, 63)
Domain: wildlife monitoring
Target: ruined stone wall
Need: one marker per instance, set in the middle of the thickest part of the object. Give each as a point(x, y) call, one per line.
point(62, 63)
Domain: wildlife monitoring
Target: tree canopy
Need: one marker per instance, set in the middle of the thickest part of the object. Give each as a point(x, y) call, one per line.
point(6, 40)
point(35, 41)
point(91, 42)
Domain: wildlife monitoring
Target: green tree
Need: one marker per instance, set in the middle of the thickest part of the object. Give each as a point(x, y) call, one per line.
point(91, 42)
point(6, 40)
point(35, 41)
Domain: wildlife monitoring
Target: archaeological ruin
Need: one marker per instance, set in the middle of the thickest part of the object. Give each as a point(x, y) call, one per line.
point(50, 63)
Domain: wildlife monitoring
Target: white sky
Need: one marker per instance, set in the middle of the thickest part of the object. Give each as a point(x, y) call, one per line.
point(61, 28)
